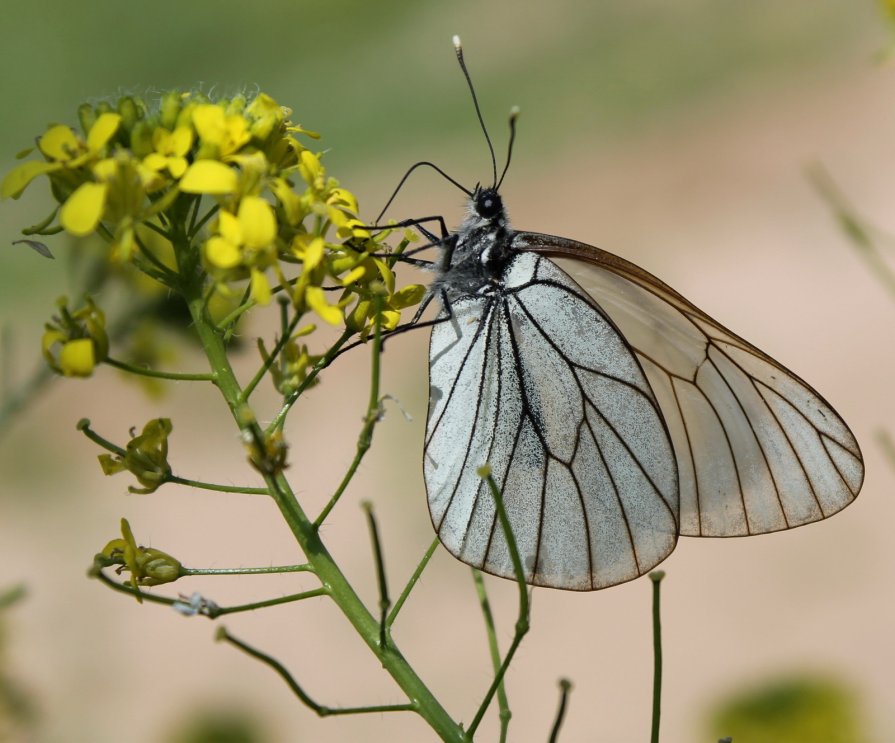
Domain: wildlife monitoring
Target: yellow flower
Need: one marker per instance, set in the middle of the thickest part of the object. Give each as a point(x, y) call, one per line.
point(209, 176)
point(273, 218)
point(146, 457)
point(246, 239)
point(63, 149)
point(316, 299)
point(83, 210)
point(75, 342)
point(221, 134)
point(147, 566)
point(171, 149)
point(311, 170)
point(117, 196)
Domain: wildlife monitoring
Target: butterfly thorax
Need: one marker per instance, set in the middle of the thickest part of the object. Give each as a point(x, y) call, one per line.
point(475, 261)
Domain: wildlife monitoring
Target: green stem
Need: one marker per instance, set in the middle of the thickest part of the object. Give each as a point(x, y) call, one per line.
point(325, 361)
point(565, 686)
point(372, 417)
point(321, 710)
point(390, 620)
point(308, 538)
point(885, 441)
point(313, 593)
point(522, 620)
point(217, 488)
point(84, 427)
point(384, 601)
point(13, 595)
point(275, 569)
point(212, 611)
point(141, 596)
point(196, 226)
point(174, 376)
point(503, 703)
point(271, 358)
point(230, 319)
point(16, 400)
point(656, 577)
point(853, 226)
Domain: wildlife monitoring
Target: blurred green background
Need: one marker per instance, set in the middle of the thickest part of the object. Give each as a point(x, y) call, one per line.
point(673, 133)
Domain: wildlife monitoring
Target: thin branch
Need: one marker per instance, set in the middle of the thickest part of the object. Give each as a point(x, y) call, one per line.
point(212, 611)
point(887, 445)
point(503, 704)
point(174, 376)
point(216, 487)
point(325, 361)
point(272, 357)
point(412, 582)
point(15, 400)
point(274, 569)
point(384, 601)
point(13, 595)
point(853, 226)
point(372, 417)
point(291, 598)
point(84, 427)
point(196, 226)
point(319, 709)
point(522, 621)
point(656, 577)
point(565, 686)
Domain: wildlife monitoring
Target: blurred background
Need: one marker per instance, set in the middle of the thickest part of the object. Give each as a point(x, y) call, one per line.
point(675, 134)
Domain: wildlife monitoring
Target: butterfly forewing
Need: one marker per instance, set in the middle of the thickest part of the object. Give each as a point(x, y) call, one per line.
point(535, 381)
point(757, 449)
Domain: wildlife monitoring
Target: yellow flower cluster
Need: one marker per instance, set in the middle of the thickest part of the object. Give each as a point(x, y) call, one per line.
point(231, 190)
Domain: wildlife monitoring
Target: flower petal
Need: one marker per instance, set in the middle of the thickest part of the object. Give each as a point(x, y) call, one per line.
point(18, 179)
point(222, 253)
point(260, 287)
point(354, 275)
point(181, 141)
point(408, 296)
point(317, 302)
point(209, 121)
point(259, 225)
point(155, 161)
point(76, 359)
point(208, 176)
point(102, 131)
point(310, 168)
point(313, 253)
point(59, 143)
point(82, 211)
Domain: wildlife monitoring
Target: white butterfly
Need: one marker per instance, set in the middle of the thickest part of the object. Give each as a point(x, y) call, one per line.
point(614, 414)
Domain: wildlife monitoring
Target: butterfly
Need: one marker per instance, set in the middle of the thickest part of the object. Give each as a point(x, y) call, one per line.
point(614, 414)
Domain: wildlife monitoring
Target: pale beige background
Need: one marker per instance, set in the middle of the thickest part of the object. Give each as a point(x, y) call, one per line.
point(715, 201)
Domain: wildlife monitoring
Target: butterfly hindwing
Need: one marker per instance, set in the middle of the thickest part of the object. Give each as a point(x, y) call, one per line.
point(758, 450)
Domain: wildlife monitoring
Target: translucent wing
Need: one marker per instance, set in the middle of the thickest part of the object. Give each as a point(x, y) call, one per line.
point(758, 450)
point(534, 380)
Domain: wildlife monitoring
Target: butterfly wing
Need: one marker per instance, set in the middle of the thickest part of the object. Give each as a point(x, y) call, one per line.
point(536, 381)
point(758, 450)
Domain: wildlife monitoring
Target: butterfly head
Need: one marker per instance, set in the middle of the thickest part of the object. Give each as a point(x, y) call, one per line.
point(486, 210)
point(487, 204)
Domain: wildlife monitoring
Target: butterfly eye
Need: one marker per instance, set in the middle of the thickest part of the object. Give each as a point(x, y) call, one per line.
point(488, 203)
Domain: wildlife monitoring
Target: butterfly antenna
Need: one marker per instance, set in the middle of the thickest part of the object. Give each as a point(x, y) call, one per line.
point(407, 175)
point(514, 114)
point(459, 49)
